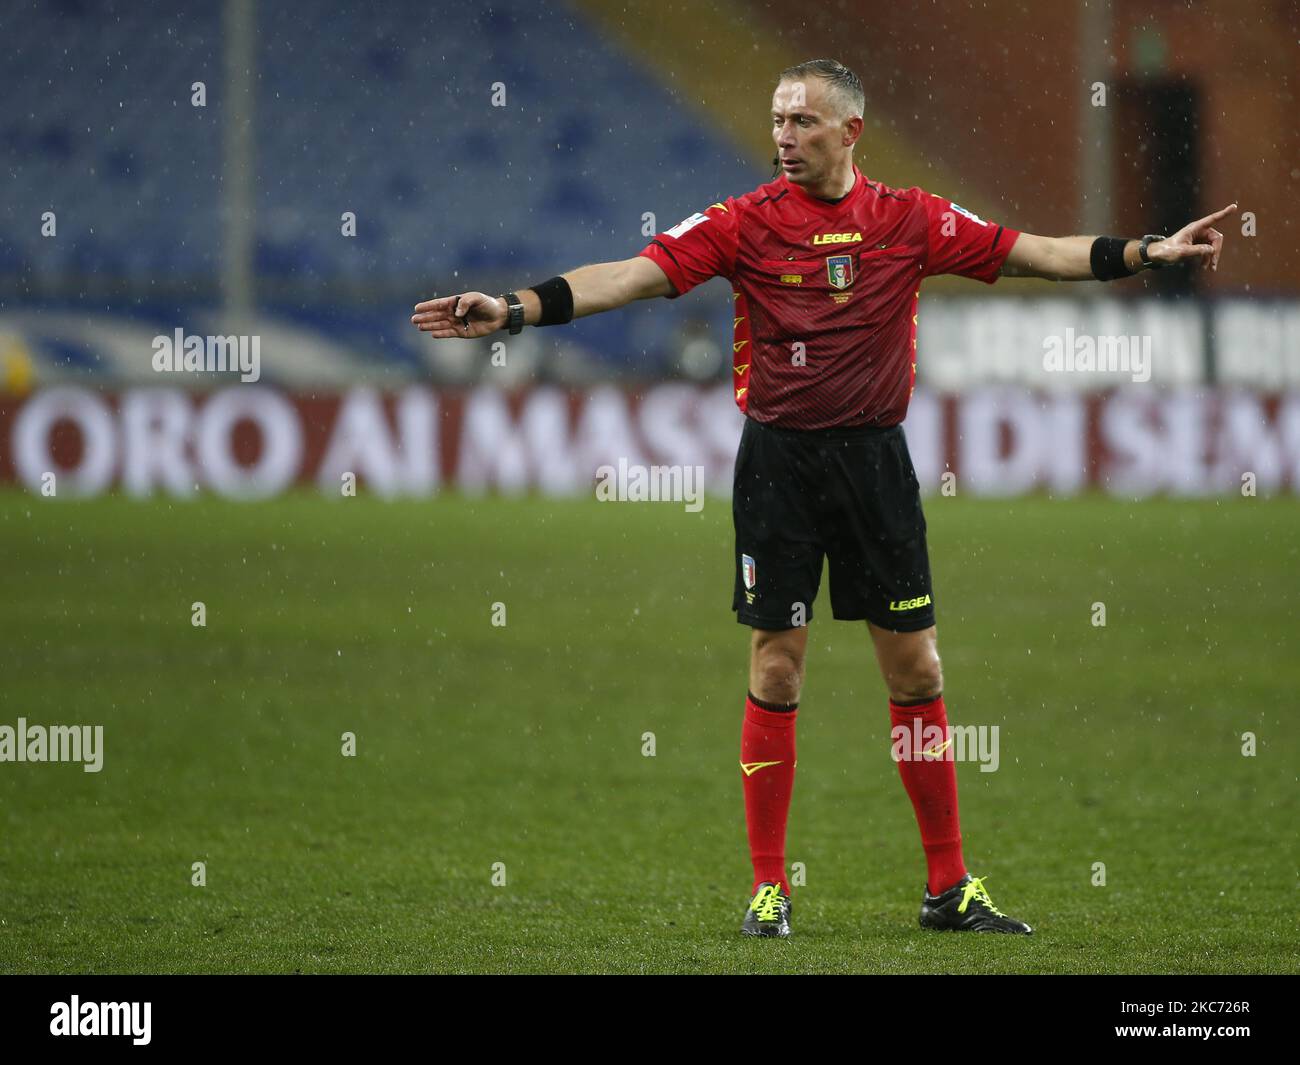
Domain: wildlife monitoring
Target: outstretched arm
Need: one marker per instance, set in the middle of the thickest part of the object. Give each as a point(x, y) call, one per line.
point(596, 288)
point(1069, 258)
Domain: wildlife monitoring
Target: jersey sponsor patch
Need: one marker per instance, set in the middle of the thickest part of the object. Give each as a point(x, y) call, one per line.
point(969, 214)
point(686, 225)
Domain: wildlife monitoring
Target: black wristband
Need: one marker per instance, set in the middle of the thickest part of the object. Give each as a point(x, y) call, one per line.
point(557, 301)
point(1107, 259)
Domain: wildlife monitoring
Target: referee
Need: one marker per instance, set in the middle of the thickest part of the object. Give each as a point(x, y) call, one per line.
point(826, 267)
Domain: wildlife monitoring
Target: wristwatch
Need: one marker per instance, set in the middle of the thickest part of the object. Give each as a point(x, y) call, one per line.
point(514, 313)
point(1147, 261)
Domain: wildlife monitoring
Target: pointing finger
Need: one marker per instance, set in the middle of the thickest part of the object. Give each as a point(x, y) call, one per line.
point(1210, 219)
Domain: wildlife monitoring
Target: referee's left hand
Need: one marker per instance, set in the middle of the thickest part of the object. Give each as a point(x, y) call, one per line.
point(1197, 239)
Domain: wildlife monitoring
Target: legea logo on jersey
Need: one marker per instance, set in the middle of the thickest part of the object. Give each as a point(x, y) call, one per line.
point(836, 238)
point(839, 268)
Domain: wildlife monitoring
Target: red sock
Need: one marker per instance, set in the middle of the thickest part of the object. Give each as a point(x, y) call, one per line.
point(931, 784)
point(767, 771)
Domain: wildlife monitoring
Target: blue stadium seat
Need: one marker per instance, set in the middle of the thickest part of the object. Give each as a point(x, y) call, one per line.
point(384, 110)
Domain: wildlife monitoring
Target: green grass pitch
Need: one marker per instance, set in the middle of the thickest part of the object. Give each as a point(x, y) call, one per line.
point(522, 744)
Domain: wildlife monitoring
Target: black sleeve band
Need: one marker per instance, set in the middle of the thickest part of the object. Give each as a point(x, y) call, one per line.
point(773, 708)
point(1107, 259)
point(557, 301)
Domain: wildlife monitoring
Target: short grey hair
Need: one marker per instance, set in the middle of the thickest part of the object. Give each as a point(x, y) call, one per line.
point(845, 86)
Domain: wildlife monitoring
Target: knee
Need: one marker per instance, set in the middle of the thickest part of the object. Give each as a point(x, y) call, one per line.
point(919, 677)
point(777, 675)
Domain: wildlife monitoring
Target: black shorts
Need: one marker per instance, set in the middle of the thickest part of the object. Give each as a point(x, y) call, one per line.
point(850, 494)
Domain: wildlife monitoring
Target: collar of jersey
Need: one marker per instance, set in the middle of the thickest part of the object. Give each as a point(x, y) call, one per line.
point(804, 197)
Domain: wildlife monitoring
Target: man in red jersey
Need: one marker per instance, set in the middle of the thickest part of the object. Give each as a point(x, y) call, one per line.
point(826, 267)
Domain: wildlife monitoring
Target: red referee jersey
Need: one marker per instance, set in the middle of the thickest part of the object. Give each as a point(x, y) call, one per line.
point(826, 293)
